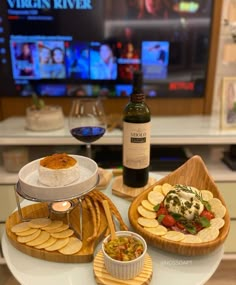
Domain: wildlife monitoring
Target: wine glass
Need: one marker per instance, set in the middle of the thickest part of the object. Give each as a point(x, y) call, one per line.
point(87, 121)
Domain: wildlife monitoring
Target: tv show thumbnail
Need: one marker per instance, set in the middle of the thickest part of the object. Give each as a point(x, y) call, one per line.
point(103, 64)
point(51, 59)
point(51, 90)
point(123, 90)
point(128, 61)
point(155, 59)
point(77, 60)
point(79, 90)
point(24, 65)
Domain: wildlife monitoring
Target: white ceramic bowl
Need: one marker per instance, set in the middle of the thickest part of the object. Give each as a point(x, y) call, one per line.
point(124, 269)
point(30, 185)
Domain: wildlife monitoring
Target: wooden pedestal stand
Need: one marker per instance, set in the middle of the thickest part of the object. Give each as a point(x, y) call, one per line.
point(129, 193)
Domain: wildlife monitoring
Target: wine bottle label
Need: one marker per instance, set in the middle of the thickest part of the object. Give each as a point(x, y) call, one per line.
point(136, 145)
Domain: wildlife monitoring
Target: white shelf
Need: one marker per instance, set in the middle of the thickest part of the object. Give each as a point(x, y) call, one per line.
point(201, 134)
point(179, 130)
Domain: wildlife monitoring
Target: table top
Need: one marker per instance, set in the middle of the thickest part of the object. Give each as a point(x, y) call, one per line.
point(167, 268)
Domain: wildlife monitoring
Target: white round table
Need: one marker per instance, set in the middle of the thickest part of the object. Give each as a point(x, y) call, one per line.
point(167, 268)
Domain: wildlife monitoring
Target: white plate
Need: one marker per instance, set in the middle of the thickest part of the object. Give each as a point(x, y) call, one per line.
point(30, 185)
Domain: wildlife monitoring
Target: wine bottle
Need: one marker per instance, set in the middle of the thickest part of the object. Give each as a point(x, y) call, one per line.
point(136, 136)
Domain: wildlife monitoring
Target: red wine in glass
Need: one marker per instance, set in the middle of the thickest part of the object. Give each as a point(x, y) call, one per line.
point(88, 134)
point(87, 121)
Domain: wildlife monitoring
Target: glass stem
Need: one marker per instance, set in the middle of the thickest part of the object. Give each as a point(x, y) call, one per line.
point(88, 150)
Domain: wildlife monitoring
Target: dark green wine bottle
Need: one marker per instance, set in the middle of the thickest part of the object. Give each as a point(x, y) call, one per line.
point(136, 136)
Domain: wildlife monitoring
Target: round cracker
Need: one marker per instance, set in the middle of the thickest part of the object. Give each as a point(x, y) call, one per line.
point(60, 243)
point(155, 197)
point(158, 230)
point(29, 238)
point(206, 195)
point(63, 234)
point(43, 237)
point(191, 239)
point(146, 213)
point(166, 187)
point(147, 205)
point(53, 225)
point(208, 234)
point(21, 227)
point(63, 227)
point(30, 231)
point(149, 223)
point(217, 223)
point(174, 236)
point(214, 202)
point(219, 211)
point(73, 246)
point(158, 188)
point(39, 222)
point(48, 243)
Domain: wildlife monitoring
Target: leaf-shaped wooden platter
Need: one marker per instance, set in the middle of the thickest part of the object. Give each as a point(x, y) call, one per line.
point(39, 210)
point(193, 173)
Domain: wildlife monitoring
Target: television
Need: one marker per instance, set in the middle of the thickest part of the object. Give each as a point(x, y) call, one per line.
point(60, 48)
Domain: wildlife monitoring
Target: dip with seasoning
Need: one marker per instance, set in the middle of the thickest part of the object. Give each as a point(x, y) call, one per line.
point(124, 248)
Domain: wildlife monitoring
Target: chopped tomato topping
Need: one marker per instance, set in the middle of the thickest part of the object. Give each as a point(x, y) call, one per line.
point(168, 221)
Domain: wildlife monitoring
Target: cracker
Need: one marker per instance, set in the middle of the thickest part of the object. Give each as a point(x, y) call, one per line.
point(174, 236)
point(206, 195)
point(53, 225)
point(63, 227)
point(39, 222)
point(166, 187)
point(21, 227)
point(219, 211)
point(147, 205)
point(48, 243)
point(63, 234)
point(155, 197)
point(214, 202)
point(29, 238)
point(191, 239)
point(158, 230)
point(43, 237)
point(217, 223)
point(30, 231)
point(73, 246)
point(158, 188)
point(146, 213)
point(149, 223)
point(60, 243)
point(208, 234)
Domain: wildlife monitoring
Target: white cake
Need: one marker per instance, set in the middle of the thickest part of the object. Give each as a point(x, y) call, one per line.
point(58, 170)
point(46, 119)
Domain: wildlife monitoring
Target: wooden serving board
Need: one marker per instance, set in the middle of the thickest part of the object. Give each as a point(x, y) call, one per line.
point(102, 277)
point(193, 173)
point(129, 193)
point(86, 254)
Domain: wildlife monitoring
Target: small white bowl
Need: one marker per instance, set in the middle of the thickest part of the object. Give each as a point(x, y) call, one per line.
point(124, 269)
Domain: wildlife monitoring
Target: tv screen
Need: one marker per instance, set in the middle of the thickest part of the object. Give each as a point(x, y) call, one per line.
point(91, 48)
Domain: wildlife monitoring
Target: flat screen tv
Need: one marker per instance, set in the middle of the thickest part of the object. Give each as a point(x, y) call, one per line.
point(91, 48)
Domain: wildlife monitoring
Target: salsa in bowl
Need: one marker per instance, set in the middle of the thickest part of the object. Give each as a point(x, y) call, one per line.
point(124, 256)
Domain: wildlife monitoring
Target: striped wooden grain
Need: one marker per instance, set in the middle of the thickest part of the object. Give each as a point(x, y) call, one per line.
point(102, 277)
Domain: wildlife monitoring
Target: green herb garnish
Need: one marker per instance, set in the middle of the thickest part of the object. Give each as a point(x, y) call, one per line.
point(157, 207)
point(198, 195)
